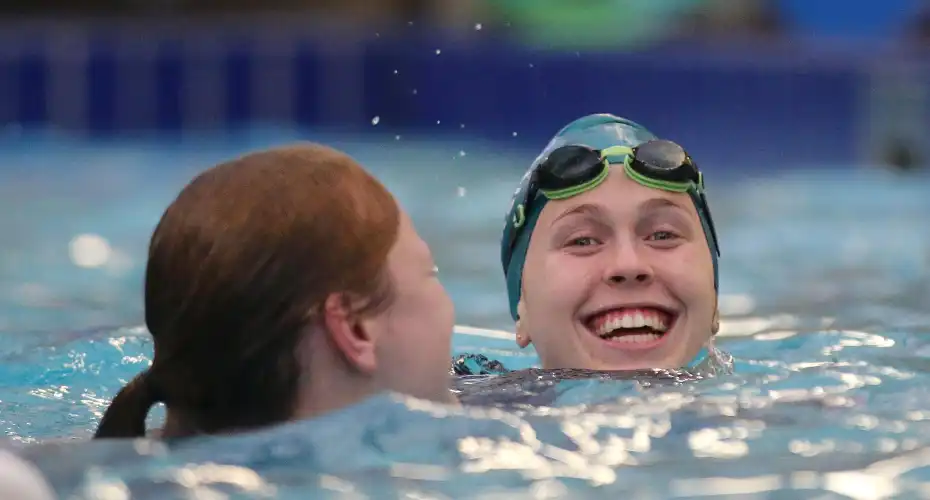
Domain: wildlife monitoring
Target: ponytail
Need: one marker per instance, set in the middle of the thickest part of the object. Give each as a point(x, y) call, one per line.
point(125, 417)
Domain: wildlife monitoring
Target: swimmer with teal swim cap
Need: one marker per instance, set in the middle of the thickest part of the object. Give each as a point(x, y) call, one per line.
point(609, 251)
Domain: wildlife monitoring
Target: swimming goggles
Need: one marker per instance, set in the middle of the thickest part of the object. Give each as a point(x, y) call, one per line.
point(574, 169)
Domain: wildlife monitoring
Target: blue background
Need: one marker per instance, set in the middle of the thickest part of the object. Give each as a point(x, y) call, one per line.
point(747, 106)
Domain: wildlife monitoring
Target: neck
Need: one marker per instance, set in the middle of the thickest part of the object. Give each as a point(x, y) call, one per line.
point(329, 385)
point(331, 389)
point(317, 395)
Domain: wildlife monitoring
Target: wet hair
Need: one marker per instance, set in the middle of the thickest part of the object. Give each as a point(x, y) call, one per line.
point(238, 267)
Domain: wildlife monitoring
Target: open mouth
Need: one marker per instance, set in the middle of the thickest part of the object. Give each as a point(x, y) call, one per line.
point(633, 325)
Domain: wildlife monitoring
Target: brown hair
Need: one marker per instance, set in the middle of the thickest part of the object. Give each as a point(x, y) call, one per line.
point(238, 265)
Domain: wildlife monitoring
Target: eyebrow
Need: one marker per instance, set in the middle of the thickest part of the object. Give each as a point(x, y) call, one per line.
point(583, 209)
point(656, 204)
point(646, 207)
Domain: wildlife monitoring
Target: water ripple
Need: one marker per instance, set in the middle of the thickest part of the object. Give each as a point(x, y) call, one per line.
point(795, 417)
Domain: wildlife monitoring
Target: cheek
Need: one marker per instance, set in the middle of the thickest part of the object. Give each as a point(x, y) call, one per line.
point(419, 327)
point(445, 311)
point(429, 315)
point(556, 285)
point(692, 281)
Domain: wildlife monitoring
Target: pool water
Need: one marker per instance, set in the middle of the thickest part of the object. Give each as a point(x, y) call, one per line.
point(824, 291)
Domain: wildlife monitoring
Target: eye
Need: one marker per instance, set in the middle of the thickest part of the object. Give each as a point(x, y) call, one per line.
point(662, 236)
point(582, 241)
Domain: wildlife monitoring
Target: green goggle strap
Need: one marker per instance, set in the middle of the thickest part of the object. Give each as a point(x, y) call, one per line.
point(625, 152)
point(676, 187)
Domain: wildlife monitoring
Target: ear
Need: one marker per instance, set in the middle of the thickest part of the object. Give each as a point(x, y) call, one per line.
point(522, 326)
point(349, 334)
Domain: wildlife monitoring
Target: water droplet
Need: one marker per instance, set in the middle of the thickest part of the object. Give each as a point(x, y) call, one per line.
point(461, 153)
point(89, 250)
point(414, 91)
point(438, 51)
point(377, 35)
point(514, 134)
point(460, 192)
point(461, 125)
point(376, 120)
point(395, 71)
point(478, 27)
point(438, 122)
point(409, 23)
point(532, 65)
point(396, 137)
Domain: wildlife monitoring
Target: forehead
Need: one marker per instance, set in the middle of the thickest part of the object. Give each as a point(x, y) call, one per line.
point(409, 244)
point(619, 194)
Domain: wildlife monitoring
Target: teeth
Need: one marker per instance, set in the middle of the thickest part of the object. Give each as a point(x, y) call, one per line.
point(632, 339)
point(633, 319)
point(628, 322)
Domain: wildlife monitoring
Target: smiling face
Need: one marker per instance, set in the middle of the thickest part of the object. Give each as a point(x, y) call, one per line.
point(618, 278)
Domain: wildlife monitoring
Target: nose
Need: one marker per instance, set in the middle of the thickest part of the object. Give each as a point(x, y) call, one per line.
point(628, 267)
